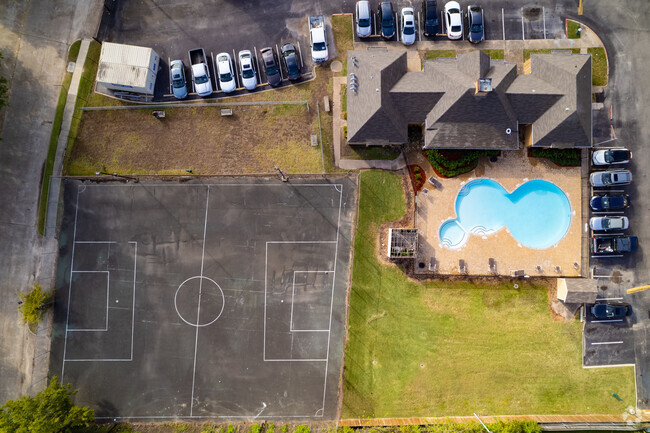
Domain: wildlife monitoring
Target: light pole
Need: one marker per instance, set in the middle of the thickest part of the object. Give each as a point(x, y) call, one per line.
point(115, 176)
point(283, 177)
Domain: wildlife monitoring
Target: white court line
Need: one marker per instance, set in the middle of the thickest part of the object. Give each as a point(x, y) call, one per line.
point(67, 318)
point(293, 292)
point(108, 289)
point(95, 242)
point(135, 262)
point(229, 184)
point(607, 342)
point(302, 242)
point(198, 308)
point(329, 335)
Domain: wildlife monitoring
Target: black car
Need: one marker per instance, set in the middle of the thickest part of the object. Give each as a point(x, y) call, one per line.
point(430, 14)
point(387, 19)
point(290, 61)
point(610, 311)
point(475, 20)
point(609, 202)
point(271, 67)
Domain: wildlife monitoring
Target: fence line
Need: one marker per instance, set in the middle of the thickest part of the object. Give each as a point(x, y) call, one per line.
point(200, 104)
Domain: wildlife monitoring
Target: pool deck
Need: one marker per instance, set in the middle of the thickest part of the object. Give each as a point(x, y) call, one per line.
point(512, 169)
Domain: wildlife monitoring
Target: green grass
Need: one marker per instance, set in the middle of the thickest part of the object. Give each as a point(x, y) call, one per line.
point(371, 153)
point(342, 29)
point(54, 138)
point(454, 348)
point(434, 54)
point(527, 52)
point(495, 54)
point(344, 99)
point(599, 66)
point(572, 29)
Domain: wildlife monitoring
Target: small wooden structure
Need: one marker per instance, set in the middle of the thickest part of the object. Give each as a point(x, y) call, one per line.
point(577, 290)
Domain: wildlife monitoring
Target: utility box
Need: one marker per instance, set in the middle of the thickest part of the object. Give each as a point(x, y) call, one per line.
point(128, 68)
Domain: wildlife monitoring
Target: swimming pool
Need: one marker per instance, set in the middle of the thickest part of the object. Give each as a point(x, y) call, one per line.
point(537, 214)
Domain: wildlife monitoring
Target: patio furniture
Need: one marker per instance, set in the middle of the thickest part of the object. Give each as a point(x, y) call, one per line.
point(558, 269)
point(538, 268)
point(433, 264)
point(518, 273)
point(462, 267)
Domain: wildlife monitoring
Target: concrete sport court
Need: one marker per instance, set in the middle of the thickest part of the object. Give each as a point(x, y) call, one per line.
point(204, 300)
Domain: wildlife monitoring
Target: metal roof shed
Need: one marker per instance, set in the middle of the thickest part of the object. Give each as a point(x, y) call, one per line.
point(128, 67)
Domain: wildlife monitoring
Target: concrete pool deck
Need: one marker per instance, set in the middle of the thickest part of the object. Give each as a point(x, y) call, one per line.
point(512, 169)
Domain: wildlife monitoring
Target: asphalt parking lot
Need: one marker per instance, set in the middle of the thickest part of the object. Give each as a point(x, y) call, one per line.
point(204, 300)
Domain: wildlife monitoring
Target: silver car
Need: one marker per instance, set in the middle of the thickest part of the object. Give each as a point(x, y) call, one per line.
point(177, 76)
point(224, 73)
point(610, 178)
point(247, 67)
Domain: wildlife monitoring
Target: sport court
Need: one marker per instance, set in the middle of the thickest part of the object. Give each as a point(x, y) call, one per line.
point(204, 300)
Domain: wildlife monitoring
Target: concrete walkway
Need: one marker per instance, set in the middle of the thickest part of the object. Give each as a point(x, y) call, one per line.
point(34, 39)
point(55, 183)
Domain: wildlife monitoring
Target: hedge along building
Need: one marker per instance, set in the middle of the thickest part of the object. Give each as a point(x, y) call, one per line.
point(470, 102)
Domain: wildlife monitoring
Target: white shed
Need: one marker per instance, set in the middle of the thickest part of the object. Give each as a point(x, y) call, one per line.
point(128, 67)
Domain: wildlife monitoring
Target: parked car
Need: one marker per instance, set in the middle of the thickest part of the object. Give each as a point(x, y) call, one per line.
point(610, 311)
point(271, 69)
point(224, 72)
point(610, 178)
point(408, 26)
point(619, 155)
point(430, 15)
point(201, 81)
point(177, 74)
point(475, 21)
point(453, 20)
point(363, 19)
point(609, 223)
point(247, 69)
point(614, 245)
point(609, 202)
point(290, 61)
point(386, 19)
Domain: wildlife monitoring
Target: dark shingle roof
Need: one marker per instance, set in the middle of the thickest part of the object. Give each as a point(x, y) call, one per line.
point(555, 98)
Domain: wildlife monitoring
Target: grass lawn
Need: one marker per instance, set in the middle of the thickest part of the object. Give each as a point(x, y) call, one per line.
point(572, 29)
point(599, 66)
point(495, 54)
point(454, 348)
point(527, 52)
point(343, 38)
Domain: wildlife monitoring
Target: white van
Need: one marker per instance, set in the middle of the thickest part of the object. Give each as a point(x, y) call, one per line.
point(363, 19)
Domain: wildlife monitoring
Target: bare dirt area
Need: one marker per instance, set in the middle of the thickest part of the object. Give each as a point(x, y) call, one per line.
point(254, 139)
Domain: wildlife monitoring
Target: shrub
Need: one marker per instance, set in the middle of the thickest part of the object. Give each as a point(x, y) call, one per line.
point(270, 428)
point(33, 304)
point(256, 428)
point(416, 169)
point(456, 162)
point(563, 157)
point(302, 429)
point(417, 176)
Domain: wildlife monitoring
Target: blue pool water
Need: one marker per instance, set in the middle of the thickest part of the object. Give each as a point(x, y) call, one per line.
point(537, 214)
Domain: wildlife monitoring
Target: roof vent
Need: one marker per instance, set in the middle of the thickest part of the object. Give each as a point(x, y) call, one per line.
point(508, 131)
point(485, 85)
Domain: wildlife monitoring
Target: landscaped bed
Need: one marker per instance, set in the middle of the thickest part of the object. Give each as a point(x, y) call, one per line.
point(454, 348)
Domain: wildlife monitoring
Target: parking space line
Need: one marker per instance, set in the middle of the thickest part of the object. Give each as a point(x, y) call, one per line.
point(234, 66)
point(609, 299)
point(419, 28)
point(374, 20)
point(259, 71)
point(169, 66)
point(279, 62)
point(523, 32)
point(606, 321)
point(396, 27)
point(544, 20)
point(215, 72)
point(503, 25)
point(606, 342)
point(302, 64)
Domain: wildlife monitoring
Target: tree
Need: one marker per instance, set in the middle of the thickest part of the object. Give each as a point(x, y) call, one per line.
point(33, 303)
point(49, 411)
point(3, 88)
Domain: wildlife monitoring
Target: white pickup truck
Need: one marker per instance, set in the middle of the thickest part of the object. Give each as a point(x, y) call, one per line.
point(200, 72)
point(317, 39)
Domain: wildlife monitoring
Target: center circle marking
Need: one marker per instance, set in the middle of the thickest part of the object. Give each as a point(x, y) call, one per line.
point(207, 287)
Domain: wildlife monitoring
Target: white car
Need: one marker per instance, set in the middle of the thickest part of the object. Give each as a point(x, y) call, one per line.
point(616, 155)
point(364, 26)
point(408, 26)
point(453, 20)
point(610, 178)
point(609, 223)
point(177, 74)
point(247, 67)
point(224, 73)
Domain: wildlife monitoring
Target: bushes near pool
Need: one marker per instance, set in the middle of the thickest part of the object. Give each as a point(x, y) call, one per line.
point(563, 157)
point(450, 163)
